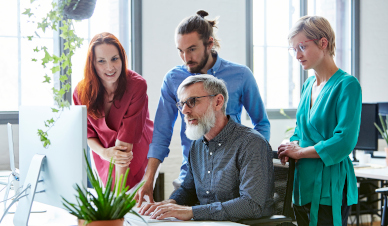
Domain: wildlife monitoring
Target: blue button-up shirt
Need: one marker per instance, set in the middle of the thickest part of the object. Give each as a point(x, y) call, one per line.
point(242, 90)
point(231, 176)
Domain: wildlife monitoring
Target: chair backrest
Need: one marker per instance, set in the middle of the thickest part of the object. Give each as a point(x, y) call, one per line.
point(10, 146)
point(284, 180)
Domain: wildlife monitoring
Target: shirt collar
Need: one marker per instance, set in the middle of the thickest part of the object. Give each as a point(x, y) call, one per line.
point(216, 66)
point(214, 69)
point(224, 134)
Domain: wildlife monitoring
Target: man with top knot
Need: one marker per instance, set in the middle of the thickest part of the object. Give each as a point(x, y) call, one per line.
point(197, 45)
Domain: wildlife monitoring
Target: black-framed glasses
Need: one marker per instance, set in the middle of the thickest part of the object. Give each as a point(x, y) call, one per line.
point(190, 102)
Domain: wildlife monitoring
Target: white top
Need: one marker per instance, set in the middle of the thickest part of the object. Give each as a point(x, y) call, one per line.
point(315, 91)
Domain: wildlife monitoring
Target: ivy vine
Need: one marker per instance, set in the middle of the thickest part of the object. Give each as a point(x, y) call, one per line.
point(55, 20)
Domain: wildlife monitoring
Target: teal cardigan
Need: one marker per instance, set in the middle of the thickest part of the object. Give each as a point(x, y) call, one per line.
point(331, 126)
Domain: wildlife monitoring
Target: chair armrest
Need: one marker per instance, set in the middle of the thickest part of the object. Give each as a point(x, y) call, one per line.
point(382, 190)
point(271, 220)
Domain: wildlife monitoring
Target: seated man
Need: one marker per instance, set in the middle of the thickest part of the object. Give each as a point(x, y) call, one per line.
point(230, 170)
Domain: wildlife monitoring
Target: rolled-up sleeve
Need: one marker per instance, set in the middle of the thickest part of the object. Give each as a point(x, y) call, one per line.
point(254, 105)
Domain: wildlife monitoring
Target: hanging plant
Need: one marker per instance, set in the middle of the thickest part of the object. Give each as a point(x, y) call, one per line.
point(61, 16)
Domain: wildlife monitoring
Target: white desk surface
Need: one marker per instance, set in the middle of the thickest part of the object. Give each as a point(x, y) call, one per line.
point(376, 169)
point(60, 217)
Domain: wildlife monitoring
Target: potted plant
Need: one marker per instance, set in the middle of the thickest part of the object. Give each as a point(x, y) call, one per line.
point(60, 18)
point(108, 206)
point(384, 133)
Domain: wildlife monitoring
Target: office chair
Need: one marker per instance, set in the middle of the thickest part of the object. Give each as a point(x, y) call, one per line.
point(283, 212)
point(384, 217)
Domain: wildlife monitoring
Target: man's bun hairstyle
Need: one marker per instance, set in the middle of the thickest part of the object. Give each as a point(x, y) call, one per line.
point(204, 28)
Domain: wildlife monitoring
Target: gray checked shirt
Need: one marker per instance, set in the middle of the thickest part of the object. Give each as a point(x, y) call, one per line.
point(231, 176)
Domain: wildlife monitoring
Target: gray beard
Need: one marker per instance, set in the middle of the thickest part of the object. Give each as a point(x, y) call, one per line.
point(205, 123)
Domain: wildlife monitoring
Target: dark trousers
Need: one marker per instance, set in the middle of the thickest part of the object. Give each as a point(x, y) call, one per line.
point(325, 213)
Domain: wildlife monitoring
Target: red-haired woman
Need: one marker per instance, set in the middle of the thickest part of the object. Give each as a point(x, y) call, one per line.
point(118, 122)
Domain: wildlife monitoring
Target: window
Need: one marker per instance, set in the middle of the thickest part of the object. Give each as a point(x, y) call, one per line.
point(338, 13)
point(111, 16)
point(21, 78)
point(279, 75)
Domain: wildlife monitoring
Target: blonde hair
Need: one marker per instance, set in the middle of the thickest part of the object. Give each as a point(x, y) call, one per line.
point(315, 27)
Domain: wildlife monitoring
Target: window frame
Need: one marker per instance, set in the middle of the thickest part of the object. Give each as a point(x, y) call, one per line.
point(136, 50)
point(355, 44)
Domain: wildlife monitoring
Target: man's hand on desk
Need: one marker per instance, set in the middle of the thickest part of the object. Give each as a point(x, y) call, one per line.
point(167, 208)
point(145, 190)
point(184, 213)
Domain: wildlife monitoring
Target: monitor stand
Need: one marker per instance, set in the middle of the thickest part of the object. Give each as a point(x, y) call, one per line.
point(22, 213)
point(354, 156)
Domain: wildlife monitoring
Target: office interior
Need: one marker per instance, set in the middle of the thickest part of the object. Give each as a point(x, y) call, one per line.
point(159, 55)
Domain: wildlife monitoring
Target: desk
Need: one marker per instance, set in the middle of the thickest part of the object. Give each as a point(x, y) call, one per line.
point(60, 217)
point(377, 170)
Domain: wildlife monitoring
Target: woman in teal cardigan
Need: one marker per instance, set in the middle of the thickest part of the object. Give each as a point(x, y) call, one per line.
point(326, 132)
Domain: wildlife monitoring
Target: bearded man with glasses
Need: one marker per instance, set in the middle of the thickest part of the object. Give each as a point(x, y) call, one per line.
point(197, 45)
point(230, 169)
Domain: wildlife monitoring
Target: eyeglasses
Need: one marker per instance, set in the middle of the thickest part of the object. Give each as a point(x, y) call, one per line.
point(301, 47)
point(190, 102)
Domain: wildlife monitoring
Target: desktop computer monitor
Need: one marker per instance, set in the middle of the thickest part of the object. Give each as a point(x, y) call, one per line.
point(383, 110)
point(63, 165)
point(368, 136)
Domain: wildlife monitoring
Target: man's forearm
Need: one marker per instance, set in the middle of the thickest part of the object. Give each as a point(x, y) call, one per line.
point(152, 167)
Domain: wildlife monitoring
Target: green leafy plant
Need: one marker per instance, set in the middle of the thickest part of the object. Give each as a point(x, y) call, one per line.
point(55, 20)
point(111, 202)
point(383, 131)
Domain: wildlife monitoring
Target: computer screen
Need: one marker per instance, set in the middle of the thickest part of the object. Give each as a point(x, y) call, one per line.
point(64, 164)
point(367, 138)
point(383, 110)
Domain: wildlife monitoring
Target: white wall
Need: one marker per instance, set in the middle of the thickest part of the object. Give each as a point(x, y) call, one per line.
point(374, 53)
point(374, 50)
point(160, 18)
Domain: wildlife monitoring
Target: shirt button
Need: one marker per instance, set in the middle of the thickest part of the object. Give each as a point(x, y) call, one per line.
point(211, 153)
point(208, 171)
point(219, 144)
point(207, 192)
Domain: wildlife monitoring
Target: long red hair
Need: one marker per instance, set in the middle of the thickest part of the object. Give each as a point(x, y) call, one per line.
point(90, 89)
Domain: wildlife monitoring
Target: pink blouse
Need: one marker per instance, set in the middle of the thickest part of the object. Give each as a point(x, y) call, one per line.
point(128, 121)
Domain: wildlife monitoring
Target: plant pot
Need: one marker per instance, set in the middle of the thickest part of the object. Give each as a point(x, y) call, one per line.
point(117, 222)
point(84, 9)
point(386, 156)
